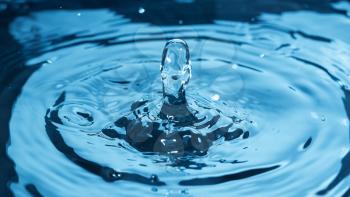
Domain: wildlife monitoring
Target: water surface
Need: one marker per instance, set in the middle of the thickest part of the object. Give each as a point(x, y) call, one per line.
point(71, 71)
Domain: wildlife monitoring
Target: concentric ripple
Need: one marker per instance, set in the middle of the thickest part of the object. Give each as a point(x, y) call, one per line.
point(284, 82)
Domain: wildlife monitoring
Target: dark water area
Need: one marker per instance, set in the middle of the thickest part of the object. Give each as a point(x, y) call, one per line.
point(255, 102)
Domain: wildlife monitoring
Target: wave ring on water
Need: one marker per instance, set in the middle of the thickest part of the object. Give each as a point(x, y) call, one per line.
point(289, 94)
point(174, 130)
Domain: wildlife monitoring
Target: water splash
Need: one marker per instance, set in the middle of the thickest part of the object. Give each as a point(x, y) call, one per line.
point(179, 127)
point(103, 120)
point(175, 70)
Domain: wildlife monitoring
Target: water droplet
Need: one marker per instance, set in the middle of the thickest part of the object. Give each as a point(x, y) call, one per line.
point(180, 22)
point(262, 55)
point(141, 10)
point(79, 14)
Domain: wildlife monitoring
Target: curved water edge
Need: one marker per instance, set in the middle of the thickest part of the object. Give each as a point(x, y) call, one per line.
point(286, 80)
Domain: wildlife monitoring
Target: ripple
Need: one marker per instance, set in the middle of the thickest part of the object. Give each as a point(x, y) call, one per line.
point(284, 81)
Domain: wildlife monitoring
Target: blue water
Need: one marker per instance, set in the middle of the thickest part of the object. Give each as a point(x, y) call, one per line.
point(259, 105)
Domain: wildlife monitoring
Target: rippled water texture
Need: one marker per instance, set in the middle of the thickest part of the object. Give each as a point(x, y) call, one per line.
point(270, 96)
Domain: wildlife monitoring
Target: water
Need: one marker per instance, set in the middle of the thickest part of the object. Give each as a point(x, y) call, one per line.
point(250, 103)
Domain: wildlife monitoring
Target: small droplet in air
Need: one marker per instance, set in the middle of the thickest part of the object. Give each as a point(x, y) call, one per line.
point(79, 14)
point(141, 10)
